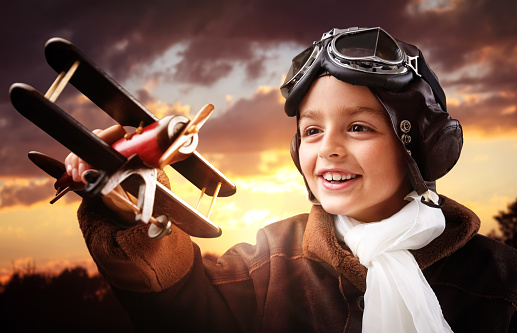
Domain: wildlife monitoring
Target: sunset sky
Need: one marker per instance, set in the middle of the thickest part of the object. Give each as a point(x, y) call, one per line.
point(176, 56)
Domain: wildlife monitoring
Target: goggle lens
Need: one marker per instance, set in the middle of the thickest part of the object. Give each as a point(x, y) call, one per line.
point(368, 45)
point(303, 59)
point(298, 62)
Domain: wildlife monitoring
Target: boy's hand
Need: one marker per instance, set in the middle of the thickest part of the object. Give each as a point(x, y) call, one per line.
point(75, 166)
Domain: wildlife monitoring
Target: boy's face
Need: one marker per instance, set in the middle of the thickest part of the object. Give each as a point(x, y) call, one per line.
point(349, 153)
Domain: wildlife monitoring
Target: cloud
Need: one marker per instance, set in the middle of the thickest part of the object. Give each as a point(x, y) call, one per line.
point(25, 193)
point(242, 164)
point(159, 108)
point(19, 136)
point(251, 125)
point(122, 35)
point(208, 59)
point(469, 44)
point(490, 116)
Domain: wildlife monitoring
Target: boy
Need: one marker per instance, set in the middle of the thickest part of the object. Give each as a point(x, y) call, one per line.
point(379, 251)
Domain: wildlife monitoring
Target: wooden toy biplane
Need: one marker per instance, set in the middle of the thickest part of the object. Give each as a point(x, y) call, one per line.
point(131, 162)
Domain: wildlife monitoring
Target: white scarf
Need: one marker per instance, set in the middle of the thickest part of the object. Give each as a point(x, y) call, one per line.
point(398, 297)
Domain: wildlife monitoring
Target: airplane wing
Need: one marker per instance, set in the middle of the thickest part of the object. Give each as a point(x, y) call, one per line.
point(101, 89)
point(96, 84)
point(76, 137)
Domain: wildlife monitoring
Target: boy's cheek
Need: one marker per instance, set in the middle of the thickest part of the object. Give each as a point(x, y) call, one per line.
point(306, 164)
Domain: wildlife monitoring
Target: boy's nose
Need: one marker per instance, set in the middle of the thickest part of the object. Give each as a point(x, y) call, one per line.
point(332, 146)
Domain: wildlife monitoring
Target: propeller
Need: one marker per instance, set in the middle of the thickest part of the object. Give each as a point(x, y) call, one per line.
point(191, 129)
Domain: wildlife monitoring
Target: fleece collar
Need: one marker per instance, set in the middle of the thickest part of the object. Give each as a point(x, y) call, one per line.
point(320, 242)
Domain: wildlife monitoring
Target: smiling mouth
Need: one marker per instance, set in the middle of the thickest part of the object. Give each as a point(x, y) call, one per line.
point(334, 177)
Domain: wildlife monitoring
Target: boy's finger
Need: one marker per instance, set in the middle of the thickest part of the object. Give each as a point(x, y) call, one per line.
point(71, 163)
point(82, 167)
point(111, 134)
point(68, 163)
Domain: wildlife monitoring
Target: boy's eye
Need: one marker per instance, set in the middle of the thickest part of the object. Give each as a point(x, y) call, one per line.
point(310, 131)
point(359, 128)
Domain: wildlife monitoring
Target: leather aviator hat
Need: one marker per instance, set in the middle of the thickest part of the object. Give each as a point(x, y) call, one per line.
point(398, 75)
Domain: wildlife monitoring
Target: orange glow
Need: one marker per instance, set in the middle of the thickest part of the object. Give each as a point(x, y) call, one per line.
point(483, 180)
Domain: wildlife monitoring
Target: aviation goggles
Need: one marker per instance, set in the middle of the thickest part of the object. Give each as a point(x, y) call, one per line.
point(364, 56)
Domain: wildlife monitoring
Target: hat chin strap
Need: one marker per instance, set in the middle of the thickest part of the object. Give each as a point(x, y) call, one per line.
point(432, 199)
point(431, 196)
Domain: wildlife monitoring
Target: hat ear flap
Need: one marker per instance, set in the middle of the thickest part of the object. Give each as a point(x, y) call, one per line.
point(295, 148)
point(443, 150)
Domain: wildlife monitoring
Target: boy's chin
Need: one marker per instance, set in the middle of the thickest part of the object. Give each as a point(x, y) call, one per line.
point(334, 209)
point(338, 208)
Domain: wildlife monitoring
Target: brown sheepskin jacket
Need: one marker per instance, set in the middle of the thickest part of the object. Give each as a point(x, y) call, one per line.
point(297, 278)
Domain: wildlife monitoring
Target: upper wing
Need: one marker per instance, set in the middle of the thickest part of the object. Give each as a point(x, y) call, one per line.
point(96, 84)
point(64, 128)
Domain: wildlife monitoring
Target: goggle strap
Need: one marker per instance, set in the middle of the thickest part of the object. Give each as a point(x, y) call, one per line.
point(412, 62)
point(432, 80)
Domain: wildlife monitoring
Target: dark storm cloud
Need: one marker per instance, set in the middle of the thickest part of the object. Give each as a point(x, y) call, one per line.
point(467, 27)
point(19, 136)
point(114, 33)
point(122, 35)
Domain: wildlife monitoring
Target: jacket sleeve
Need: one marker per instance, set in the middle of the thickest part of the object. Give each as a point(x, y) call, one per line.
point(166, 283)
point(128, 259)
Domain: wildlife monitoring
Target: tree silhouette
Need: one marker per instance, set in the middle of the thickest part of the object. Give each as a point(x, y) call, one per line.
point(69, 302)
point(507, 226)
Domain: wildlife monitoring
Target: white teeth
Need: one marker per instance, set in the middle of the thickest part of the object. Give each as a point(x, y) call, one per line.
point(330, 176)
